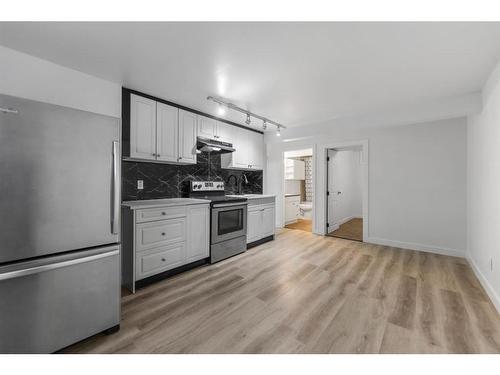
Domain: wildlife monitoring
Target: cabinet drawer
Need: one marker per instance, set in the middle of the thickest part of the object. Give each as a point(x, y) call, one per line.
point(152, 214)
point(160, 233)
point(161, 259)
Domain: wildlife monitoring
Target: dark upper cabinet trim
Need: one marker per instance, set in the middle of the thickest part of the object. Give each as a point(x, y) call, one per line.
point(126, 111)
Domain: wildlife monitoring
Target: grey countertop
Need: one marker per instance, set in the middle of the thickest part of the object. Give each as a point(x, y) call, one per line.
point(168, 202)
point(254, 196)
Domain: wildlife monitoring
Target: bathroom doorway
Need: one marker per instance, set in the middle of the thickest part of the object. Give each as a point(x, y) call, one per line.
point(345, 193)
point(298, 192)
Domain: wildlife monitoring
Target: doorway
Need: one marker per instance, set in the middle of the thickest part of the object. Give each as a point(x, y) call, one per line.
point(298, 189)
point(345, 192)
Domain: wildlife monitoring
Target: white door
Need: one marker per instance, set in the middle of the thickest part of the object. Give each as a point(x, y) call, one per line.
point(198, 233)
point(254, 224)
point(224, 132)
point(167, 132)
point(142, 128)
point(268, 221)
point(207, 127)
point(187, 137)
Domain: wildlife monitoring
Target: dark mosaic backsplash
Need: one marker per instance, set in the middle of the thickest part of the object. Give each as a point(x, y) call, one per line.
point(172, 181)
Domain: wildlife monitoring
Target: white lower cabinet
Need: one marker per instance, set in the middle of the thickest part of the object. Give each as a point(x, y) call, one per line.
point(260, 219)
point(199, 234)
point(155, 240)
point(292, 210)
point(254, 224)
point(151, 262)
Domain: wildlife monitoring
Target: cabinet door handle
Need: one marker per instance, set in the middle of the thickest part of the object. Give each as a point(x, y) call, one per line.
point(163, 259)
point(163, 234)
point(163, 213)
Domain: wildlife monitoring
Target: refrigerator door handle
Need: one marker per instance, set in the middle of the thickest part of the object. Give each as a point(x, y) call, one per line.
point(52, 266)
point(115, 194)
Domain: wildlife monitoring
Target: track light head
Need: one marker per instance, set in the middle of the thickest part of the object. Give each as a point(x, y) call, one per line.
point(248, 119)
point(221, 111)
point(264, 125)
point(278, 132)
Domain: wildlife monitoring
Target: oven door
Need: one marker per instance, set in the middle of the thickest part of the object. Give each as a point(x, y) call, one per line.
point(229, 220)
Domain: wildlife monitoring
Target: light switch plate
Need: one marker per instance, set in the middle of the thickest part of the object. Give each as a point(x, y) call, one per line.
point(140, 184)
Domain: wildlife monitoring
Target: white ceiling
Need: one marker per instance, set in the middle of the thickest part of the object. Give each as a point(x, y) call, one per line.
point(293, 73)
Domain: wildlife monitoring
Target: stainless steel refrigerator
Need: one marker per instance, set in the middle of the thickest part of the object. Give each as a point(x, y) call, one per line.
point(59, 225)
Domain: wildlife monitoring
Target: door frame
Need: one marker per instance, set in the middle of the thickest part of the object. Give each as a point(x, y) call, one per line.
point(314, 170)
point(323, 165)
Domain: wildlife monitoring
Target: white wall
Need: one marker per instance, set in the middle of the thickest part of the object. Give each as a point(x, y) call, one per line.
point(32, 78)
point(417, 180)
point(483, 202)
point(344, 175)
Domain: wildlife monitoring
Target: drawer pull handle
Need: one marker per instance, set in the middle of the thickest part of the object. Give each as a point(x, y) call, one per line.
point(163, 213)
point(163, 234)
point(163, 259)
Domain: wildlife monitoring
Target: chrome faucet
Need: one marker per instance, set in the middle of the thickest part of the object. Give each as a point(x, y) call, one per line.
point(238, 182)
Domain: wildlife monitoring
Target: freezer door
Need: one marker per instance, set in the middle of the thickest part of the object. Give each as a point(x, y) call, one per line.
point(51, 303)
point(60, 179)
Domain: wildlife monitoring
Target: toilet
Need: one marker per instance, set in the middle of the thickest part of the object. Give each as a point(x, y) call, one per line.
point(306, 210)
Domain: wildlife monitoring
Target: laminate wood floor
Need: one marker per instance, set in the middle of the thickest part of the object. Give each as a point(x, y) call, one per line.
point(304, 293)
point(301, 224)
point(350, 230)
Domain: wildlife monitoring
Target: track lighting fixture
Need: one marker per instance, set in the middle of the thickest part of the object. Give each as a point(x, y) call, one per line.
point(223, 105)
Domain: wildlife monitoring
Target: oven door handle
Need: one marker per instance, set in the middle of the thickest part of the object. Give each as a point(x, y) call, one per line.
point(222, 205)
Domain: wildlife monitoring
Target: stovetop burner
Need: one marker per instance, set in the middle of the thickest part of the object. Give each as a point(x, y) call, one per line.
point(213, 191)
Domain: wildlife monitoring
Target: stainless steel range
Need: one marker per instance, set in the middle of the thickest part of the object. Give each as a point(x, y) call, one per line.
point(228, 233)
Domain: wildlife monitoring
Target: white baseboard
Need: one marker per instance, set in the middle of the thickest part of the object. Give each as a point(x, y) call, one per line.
point(416, 246)
point(495, 298)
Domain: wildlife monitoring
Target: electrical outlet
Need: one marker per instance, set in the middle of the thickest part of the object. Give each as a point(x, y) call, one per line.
point(140, 184)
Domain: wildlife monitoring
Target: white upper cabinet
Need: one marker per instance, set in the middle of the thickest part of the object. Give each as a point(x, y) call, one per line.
point(161, 132)
point(295, 169)
point(142, 128)
point(224, 132)
point(256, 151)
point(187, 136)
point(167, 132)
point(249, 154)
point(207, 127)
point(213, 129)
